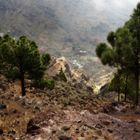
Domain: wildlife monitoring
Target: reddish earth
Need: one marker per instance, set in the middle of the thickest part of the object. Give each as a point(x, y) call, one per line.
point(64, 114)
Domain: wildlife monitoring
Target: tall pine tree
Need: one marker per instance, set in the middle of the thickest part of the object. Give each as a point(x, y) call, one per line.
point(23, 55)
point(123, 51)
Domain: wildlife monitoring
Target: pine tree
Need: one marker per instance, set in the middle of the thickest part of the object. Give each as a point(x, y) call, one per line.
point(123, 51)
point(22, 54)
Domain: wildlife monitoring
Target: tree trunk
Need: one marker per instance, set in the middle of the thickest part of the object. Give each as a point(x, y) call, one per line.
point(125, 98)
point(22, 81)
point(137, 88)
point(118, 95)
point(137, 79)
point(118, 90)
point(118, 87)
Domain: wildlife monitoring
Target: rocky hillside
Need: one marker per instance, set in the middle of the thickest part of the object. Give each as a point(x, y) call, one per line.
point(70, 111)
point(73, 76)
point(65, 113)
point(69, 28)
point(16, 111)
point(69, 124)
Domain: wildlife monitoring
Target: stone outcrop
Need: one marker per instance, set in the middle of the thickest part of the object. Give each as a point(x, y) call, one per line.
point(58, 64)
point(74, 76)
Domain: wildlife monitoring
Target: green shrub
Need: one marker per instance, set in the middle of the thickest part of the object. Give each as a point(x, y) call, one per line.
point(12, 74)
point(50, 84)
point(61, 76)
point(46, 59)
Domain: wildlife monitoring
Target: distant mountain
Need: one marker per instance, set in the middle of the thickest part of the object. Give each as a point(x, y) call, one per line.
point(69, 28)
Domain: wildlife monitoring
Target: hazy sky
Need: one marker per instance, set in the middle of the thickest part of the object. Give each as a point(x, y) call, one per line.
point(116, 3)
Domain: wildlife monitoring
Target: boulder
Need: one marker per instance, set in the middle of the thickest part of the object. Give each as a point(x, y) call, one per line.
point(1, 131)
point(32, 128)
point(66, 128)
point(2, 106)
point(106, 122)
point(65, 138)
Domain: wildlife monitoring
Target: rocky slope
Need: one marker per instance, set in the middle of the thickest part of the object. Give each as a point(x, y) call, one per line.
point(55, 124)
point(73, 76)
point(64, 113)
point(15, 111)
point(77, 76)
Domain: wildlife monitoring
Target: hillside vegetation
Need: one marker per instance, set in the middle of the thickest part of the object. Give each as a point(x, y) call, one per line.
point(44, 98)
point(123, 53)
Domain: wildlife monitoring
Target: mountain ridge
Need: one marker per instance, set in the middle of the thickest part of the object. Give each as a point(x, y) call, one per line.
point(66, 28)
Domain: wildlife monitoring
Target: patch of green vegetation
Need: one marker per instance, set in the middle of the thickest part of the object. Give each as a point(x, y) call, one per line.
point(49, 84)
point(61, 76)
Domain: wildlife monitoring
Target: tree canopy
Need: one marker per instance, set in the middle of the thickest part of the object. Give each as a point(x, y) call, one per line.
point(21, 56)
point(123, 50)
